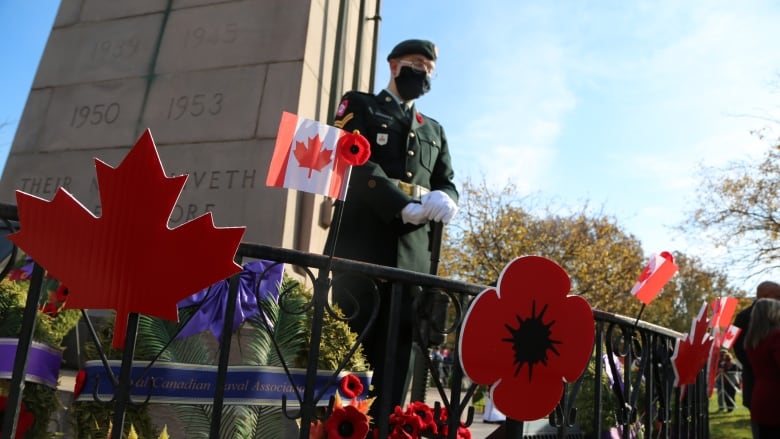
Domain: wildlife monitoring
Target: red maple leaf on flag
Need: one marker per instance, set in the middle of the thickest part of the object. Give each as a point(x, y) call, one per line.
point(730, 336)
point(128, 259)
point(691, 352)
point(312, 156)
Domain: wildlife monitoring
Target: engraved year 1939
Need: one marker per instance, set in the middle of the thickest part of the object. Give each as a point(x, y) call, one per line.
point(107, 49)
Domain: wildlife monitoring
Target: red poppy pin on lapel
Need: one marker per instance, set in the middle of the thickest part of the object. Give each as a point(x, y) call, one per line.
point(526, 336)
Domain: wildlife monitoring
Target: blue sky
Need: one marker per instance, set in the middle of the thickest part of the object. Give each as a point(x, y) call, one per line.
point(610, 103)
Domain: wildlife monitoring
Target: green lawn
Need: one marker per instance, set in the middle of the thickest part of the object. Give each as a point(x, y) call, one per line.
point(734, 425)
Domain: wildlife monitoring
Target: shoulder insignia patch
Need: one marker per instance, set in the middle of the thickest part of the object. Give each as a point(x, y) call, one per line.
point(341, 122)
point(342, 108)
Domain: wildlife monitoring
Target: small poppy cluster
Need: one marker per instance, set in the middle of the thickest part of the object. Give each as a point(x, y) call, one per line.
point(352, 421)
point(55, 301)
point(345, 421)
point(419, 420)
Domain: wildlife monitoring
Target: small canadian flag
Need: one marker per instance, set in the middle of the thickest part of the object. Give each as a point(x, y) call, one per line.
point(660, 268)
point(723, 310)
point(305, 158)
point(730, 336)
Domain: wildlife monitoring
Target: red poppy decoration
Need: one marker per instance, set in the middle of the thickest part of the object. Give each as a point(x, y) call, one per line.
point(420, 119)
point(81, 376)
point(404, 424)
point(61, 294)
point(25, 421)
point(347, 422)
point(526, 337)
point(353, 148)
point(425, 415)
point(351, 387)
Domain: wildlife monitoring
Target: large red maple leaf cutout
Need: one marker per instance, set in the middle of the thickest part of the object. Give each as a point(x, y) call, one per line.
point(691, 352)
point(128, 259)
point(312, 156)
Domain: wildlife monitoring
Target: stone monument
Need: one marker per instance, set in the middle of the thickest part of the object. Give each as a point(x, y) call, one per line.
point(210, 78)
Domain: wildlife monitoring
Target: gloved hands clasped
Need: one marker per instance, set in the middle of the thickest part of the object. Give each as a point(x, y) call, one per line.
point(436, 206)
point(413, 213)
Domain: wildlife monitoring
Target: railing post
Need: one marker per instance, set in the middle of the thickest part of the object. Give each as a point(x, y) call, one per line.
point(22, 351)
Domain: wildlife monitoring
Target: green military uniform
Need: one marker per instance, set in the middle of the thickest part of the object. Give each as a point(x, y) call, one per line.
point(411, 150)
point(409, 156)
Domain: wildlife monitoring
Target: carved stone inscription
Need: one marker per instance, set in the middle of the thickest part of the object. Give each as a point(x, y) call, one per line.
point(229, 34)
point(93, 115)
point(99, 51)
point(230, 185)
point(205, 106)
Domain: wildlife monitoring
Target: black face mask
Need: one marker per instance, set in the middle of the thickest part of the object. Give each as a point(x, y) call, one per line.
point(412, 84)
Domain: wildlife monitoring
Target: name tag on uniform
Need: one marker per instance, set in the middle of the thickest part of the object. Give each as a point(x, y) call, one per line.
point(381, 139)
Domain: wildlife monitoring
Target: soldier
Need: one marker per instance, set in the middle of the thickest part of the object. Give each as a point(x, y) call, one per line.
point(407, 182)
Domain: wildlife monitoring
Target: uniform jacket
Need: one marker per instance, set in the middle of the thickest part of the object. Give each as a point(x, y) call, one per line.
point(413, 151)
point(765, 361)
point(742, 321)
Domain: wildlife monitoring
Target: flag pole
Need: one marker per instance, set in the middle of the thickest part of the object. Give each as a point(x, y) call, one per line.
point(639, 315)
point(330, 244)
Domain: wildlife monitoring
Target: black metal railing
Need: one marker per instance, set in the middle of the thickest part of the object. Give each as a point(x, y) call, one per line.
point(628, 384)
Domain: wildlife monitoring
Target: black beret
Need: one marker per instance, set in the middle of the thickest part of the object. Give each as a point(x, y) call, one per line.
point(422, 47)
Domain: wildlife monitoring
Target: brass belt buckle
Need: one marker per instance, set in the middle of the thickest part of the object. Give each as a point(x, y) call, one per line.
point(407, 188)
point(413, 190)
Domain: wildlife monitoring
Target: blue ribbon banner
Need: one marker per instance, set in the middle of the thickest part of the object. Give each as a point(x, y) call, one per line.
point(180, 383)
point(43, 362)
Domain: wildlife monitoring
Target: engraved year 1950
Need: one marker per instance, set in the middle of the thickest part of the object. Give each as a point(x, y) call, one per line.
point(95, 114)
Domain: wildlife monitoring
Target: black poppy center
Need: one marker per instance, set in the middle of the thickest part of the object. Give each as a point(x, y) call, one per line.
point(531, 340)
point(354, 149)
point(346, 429)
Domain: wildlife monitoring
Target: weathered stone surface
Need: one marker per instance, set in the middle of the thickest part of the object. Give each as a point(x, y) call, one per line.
point(28, 133)
point(230, 34)
point(206, 105)
point(99, 51)
point(211, 87)
point(227, 179)
point(68, 13)
point(177, 4)
point(281, 93)
point(94, 115)
point(35, 174)
point(95, 10)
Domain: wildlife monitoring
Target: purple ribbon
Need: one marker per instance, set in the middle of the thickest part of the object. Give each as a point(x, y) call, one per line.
point(43, 362)
point(257, 281)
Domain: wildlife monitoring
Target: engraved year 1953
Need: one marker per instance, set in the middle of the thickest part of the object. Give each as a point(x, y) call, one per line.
point(194, 105)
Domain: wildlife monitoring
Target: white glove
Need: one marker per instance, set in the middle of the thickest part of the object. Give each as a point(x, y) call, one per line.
point(413, 213)
point(438, 206)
